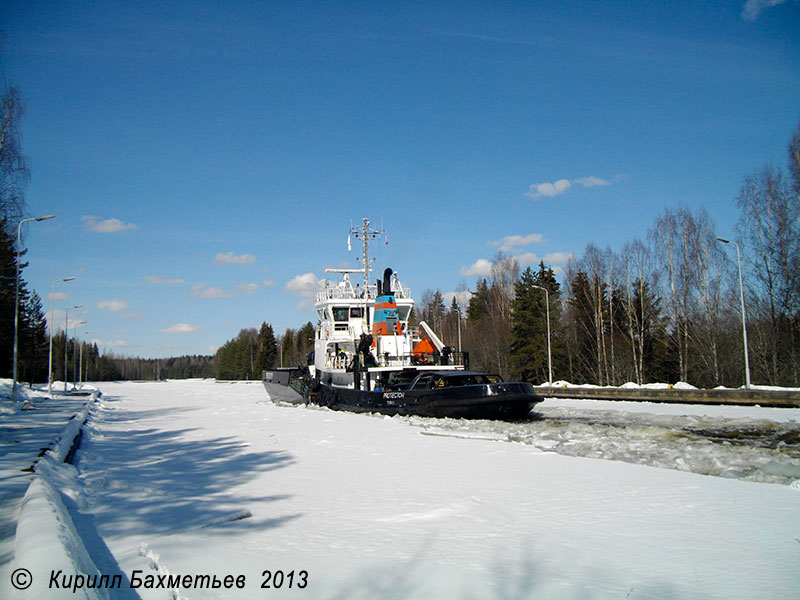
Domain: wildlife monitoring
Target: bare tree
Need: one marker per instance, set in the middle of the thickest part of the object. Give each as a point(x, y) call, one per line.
point(672, 240)
point(706, 270)
point(769, 228)
point(640, 277)
point(488, 335)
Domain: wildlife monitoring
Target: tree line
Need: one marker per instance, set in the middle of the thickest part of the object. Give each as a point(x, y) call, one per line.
point(664, 308)
point(254, 350)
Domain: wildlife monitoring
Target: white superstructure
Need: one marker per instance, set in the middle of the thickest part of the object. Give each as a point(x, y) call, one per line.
point(347, 313)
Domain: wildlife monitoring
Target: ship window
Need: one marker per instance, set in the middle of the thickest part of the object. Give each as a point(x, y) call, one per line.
point(403, 312)
point(340, 313)
point(424, 382)
point(356, 312)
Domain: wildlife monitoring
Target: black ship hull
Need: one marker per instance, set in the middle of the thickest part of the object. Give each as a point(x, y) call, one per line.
point(501, 401)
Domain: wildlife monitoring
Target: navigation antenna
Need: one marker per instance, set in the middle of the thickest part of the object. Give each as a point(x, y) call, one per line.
point(365, 233)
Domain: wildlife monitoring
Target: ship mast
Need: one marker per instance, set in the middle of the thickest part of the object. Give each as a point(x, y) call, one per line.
point(366, 233)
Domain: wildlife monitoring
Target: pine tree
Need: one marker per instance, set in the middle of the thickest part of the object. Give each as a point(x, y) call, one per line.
point(8, 268)
point(583, 339)
point(527, 317)
point(267, 348)
point(479, 303)
point(529, 335)
point(33, 339)
point(304, 342)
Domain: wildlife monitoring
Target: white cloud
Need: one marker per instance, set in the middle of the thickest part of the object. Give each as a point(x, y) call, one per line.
point(204, 291)
point(159, 280)
point(549, 259)
point(181, 328)
point(112, 343)
point(511, 242)
point(526, 259)
point(480, 268)
point(268, 283)
point(591, 181)
point(549, 189)
point(113, 305)
point(558, 258)
point(559, 187)
point(753, 8)
point(304, 286)
point(58, 296)
point(248, 288)
point(483, 267)
point(99, 225)
point(229, 258)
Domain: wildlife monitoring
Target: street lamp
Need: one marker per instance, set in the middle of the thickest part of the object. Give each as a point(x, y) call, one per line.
point(16, 304)
point(744, 323)
point(74, 337)
point(80, 365)
point(549, 354)
point(50, 327)
point(458, 313)
point(66, 341)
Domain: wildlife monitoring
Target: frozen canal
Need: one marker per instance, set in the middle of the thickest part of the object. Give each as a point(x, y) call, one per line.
point(740, 442)
point(203, 478)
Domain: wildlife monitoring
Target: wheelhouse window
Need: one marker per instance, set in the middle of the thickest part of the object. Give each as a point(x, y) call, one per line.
point(341, 313)
point(424, 382)
point(356, 312)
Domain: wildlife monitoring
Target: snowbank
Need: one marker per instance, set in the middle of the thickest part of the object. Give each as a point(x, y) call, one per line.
point(50, 548)
point(630, 385)
point(679, 385)
point(48, 541)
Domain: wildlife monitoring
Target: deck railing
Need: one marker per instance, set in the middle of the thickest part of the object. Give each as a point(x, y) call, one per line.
point(349, 292)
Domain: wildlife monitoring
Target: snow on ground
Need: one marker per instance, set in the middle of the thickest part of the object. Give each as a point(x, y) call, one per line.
point(198, 477)
point(27, 428)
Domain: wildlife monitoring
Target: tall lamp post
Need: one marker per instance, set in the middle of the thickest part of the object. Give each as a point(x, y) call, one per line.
point(66, 342)
point(16, 303)
point(80, 365)
point(50, 327)
point(744, 322)
point(549, 354)
point(74, 337)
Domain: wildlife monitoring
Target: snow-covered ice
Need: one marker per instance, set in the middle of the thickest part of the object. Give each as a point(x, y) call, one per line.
point(197, 477)
point(740, 442)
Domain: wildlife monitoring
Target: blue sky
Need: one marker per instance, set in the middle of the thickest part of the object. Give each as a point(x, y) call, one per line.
point(205, 160)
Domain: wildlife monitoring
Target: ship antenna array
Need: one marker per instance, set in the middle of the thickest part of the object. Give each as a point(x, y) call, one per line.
point(366, 233)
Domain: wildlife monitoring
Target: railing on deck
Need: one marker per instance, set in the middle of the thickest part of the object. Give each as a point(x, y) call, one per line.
point(350, 292)
point(425, 360)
